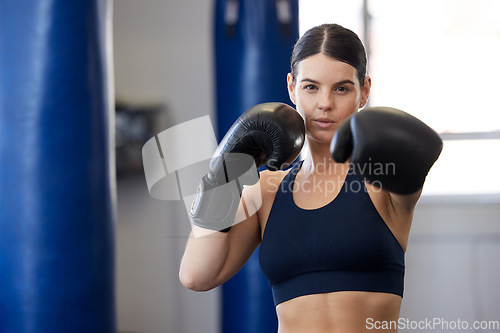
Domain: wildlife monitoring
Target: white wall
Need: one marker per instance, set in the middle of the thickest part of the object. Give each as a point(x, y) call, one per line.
point(163, 55)
point(453, 266)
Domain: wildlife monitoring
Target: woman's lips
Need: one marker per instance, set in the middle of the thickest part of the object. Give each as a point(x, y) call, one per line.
point(324, 122)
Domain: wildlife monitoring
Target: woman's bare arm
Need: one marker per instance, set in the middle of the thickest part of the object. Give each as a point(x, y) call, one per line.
point(212, 259)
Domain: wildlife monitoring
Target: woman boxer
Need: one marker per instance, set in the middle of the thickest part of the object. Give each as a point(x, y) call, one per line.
point(334, 228)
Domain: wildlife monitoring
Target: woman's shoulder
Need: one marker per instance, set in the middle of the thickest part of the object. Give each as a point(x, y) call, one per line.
point(266, 188)
point(272, 179)
point(262, 194)
point(269, 182)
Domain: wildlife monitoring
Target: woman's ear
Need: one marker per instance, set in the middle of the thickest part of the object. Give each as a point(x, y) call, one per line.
point(291, 87)
point(365, 91)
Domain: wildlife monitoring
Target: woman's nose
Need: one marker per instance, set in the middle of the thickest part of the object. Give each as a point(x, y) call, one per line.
point(325, 102)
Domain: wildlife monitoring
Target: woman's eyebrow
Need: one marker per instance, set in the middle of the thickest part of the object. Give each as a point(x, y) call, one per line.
point(337, 84)
point(309, 80)
point(344, 82)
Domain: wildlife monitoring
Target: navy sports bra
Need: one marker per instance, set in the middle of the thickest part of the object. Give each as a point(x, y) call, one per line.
point(343, 246)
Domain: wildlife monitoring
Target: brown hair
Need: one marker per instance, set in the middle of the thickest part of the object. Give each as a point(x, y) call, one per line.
point(334, 41)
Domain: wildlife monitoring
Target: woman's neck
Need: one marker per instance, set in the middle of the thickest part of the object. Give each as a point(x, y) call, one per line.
point(319, 160)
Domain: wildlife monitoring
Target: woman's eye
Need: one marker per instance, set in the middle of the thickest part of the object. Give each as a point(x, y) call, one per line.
point(310, 87)
point(342, 89)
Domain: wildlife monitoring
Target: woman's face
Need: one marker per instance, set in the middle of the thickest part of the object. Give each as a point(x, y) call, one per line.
point(326, 91)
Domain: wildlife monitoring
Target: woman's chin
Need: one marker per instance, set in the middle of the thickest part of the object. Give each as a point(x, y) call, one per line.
point(320, 139)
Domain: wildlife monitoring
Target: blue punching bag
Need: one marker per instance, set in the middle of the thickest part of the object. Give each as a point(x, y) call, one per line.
point(253, 44)
point(56, 183)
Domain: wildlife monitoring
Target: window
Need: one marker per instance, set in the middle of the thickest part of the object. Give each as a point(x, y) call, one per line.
point(438, 60)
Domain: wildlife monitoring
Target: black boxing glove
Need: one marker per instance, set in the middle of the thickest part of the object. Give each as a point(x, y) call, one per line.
point(388, 147)
point(268, 133)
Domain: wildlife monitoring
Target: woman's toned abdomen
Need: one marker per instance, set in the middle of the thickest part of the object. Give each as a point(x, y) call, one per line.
point(342, 312)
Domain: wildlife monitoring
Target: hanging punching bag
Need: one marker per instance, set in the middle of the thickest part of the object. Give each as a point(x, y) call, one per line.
point(253, 45)
point(56, 192)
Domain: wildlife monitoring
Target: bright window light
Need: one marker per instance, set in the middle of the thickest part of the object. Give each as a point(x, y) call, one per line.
point(438, 60)
point(465, 167)
point(346, 13)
